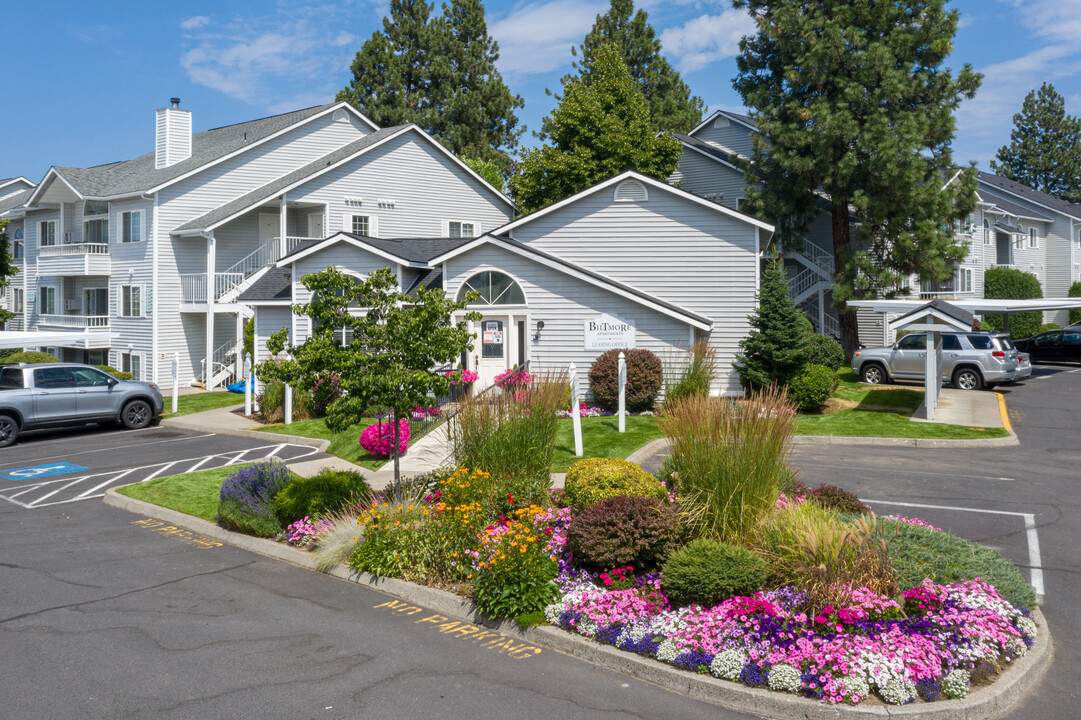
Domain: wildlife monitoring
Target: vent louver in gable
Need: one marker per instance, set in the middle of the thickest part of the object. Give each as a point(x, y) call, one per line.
point(631, 191)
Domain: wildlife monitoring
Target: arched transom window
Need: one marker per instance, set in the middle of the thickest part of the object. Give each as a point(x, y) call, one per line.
point(495, 288)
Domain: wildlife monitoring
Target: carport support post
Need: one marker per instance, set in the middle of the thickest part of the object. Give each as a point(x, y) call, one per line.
point(176, 382)
point(247, 384)
point(622, 392)
point(576, 411)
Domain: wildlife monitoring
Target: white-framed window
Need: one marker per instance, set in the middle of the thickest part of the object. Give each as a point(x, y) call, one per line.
point(18, 250)
point(96, 301)
point(132, 363)
point(18, 300)
point(47, 233)
point(1033, 238)
point(47, 300)
point(131, 226)
point(963, 280)
point(986, 233)
point(131, 301)
point(1019, 238)
point(461, 229)
point(366, 225)
point(96, 222)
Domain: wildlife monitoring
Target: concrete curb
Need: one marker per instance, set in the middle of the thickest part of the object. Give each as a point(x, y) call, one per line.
point(987, 703)
point(1008, 441)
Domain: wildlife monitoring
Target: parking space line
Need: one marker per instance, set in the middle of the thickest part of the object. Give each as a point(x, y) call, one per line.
point(236, 458)
point(875, 468)
point(63, 487)
point(117, 447)
point(113, 479)
point(275, 451)
point(202, 462)
point(154, 474)
point(1032, 537)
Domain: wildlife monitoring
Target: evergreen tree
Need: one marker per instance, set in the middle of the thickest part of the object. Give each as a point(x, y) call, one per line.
point(439, 73)
point(852, 99)
point(778, 345)
point(1045, 146)
point(672, 108)
point(599, 129)
point(7, 267)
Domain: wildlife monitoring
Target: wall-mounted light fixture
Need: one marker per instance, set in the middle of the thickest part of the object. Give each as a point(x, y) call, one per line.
point(536, 335)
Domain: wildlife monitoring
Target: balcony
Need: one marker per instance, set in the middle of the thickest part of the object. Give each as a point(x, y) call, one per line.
point(74, 259)
point(75, 322)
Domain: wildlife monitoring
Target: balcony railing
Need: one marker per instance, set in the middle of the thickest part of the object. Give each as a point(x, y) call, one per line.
point(74, 249)
point(77, 322)
point(193, 288)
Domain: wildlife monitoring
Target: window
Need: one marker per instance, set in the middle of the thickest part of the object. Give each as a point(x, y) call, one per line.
point(11, 379)
point(457, 229)
point(950, 342)
point(47, 305)
point(17, 300)
point(47, 233)
point(1019, 238)
point(359, 225)
point(132, 363)
point(131, 226)
point(963, 280)
point(95, 357)
point(53, 378)
point(130, 301)
point(17, 251)
point(495, 288)
point(986, 233)
point(96, 222)
point(980, 342)
point(96, 302)
point(1033, 238)
point(86, 377)
point(913, 342)
point(96, 207)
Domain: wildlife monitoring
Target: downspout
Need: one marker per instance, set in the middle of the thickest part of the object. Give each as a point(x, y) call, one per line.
point(154, 286)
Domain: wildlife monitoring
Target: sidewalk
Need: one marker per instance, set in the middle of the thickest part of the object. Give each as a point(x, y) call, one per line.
point(973, 408)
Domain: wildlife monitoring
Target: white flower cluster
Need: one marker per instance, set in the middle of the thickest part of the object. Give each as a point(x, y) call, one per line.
point(897, 691)
point(877, 669)
point(727, 664)
point(784, 677)
point(673, 622)
point(1016, 646)
point(855, 687)
point(955, 684)
point(633, 633)
point(667, 651)
point(553, 611)
point(586, 627)
point(1026, 625)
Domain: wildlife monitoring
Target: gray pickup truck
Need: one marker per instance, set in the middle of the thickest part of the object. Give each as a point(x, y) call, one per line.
point(59, 394)
point(970, 360)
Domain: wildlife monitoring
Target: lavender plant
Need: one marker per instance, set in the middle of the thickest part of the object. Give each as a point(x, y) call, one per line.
point(246, 502)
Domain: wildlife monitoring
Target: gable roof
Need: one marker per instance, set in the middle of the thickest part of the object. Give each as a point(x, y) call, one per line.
point(657, 184)
point(594, 278)
point(1024, 192)
point(274, 287)
point(1013, 208)
point(14, 200)
point(416, 252)
point(207, 148)
point(711, 151)
point(741, 119)
point(13, 180)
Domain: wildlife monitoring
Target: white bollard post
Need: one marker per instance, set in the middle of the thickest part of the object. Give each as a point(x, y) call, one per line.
point(176, 382)
point(576, 411)
point(202, 364)
point(288, 403)
point(622, 392)
point(247, 384)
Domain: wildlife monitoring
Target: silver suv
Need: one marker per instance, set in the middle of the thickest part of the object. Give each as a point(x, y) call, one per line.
point(969, 360)
point(57, 394)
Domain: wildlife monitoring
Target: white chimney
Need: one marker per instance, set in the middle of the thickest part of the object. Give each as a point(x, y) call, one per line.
point(172, 142)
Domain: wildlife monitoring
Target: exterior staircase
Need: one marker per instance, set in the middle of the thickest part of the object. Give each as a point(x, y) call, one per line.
point(808, 287)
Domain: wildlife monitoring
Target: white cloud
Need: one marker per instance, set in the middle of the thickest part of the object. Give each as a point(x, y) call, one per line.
point(1058, 20)
point(707, 39)
point(538, 37)
point(194, 22)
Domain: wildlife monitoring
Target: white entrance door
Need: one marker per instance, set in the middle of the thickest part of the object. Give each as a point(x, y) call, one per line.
point(494, 345)
point(315, 225)
point(269, 227)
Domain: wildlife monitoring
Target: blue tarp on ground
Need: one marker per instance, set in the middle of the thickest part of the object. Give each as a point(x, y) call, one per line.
point(237, 387)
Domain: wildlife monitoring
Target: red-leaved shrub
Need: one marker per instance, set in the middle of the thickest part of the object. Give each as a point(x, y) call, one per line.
point(644, 376)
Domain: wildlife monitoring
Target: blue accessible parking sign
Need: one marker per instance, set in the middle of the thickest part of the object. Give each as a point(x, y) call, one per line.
point(36, 471)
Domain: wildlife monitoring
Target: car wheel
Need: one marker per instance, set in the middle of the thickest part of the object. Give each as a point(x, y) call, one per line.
point(967, 379)
point(136, 414)
point(9, 430)
point(873, 374)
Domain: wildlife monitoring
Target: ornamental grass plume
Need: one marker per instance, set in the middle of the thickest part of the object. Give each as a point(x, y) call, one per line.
point(334, 545)
point(730, 459)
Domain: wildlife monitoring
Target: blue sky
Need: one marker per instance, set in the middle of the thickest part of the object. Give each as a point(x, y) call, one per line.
point(84, 78)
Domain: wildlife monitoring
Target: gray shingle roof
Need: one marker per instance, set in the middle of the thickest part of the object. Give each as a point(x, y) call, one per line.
point(705, 147)
point(274, 187)
point(139, 175)
point(413, 250)
point(433, 279)
point(1066, 208)
point(15, 200)
point(274, 285)
point(1012, 207)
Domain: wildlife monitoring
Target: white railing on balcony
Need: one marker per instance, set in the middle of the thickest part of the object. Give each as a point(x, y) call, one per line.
point(74, 249)
point(291, 244)
point(226, 281)
point(193, 288)
point(817, 255)
point(802, 282)
point(79, 322)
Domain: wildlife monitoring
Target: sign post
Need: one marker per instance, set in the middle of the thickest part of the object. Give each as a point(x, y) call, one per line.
point(576, 410)
point(176, 382)
point(622, 392)
point(288, 403)
point(247, 384)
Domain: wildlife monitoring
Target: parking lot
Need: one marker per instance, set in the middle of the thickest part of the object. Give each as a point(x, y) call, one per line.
point(62, 466)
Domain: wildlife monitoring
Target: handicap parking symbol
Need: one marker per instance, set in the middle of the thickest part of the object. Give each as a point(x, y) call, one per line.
point(36, 471)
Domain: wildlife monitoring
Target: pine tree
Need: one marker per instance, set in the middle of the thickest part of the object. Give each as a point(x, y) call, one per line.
point(672, 108)
point(7, 267)
point(852, 99)
point(1045, 146)
point(439, 73)
point(598, 130)
point(778, 345)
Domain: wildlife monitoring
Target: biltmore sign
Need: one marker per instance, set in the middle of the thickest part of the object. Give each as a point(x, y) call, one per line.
point(605, 332)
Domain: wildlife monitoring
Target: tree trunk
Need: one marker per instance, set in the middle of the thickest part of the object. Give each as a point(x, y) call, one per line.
point(842, 249)
point(397, 473)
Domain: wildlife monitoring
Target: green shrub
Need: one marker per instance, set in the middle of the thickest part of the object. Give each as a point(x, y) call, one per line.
point(1075, 313)
point(919, 552)
point(831, 497)
point(696, 376)
point(118, 374)
point(1049, 326)
point(591, 480)
point(246, 501)
point(644, 375)
point(325, 493)
point(623, 530)
point(707, 572)
point(824, 350)
point(29, 356)
point(812, 387)
point(1012, 284)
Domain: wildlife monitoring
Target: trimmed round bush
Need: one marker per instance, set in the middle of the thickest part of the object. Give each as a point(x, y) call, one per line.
point(317, 496)
point(623, 530)
point(707, 572)
point(824, 350)
point(591, 480)
point(118, 374)
point(30, 356)
point(644, 376)
point(812, 387)
point(832, 497)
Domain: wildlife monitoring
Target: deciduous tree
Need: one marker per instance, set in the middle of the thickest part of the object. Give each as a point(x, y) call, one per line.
point(7, 267)
point(1045, 146)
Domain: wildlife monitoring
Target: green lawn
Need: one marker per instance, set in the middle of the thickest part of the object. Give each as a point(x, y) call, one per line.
point(193, 494)
point(345, 445)
point(601, 438)
point(198, 402)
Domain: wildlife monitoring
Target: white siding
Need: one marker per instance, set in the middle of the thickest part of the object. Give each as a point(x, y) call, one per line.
point(727, 134)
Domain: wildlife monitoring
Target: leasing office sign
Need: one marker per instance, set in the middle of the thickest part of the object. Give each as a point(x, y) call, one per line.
point(606, 332)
